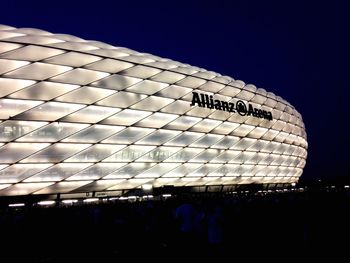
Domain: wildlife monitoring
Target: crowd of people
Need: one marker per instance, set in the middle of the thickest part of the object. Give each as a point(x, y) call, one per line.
point(202, 226)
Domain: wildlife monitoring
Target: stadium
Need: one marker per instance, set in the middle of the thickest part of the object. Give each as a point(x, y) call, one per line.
point(83, 118)
point(107, 153)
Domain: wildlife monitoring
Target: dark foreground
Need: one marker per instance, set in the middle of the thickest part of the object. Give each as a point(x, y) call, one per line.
point(211, 226)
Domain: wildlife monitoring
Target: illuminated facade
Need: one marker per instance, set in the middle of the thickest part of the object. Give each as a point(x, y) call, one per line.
point(83, 116)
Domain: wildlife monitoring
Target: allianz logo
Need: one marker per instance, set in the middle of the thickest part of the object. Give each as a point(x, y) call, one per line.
point(243, 109)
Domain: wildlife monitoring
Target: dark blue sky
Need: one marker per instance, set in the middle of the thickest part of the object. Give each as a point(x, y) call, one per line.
point(296, 49)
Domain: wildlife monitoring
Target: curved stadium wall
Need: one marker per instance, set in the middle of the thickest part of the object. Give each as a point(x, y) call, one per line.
point(83, 116)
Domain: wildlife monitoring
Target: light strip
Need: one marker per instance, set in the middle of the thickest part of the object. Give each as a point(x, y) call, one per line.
point(70, 201)
point(17, 205)
point(91, 200)
point(46, 202)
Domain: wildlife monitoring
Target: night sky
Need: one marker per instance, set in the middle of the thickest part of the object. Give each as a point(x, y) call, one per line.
point(298, 50)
